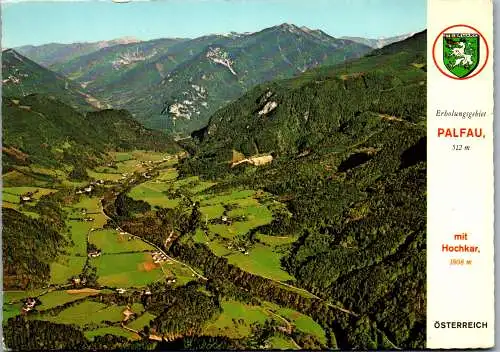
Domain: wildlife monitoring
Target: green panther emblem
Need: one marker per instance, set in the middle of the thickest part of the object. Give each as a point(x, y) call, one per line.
point(461, 53)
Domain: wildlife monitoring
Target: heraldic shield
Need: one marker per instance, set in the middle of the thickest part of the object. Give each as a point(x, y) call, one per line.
point(461, 53)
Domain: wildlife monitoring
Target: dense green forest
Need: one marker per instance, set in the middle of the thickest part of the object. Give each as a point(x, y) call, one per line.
point(30, 242)
point(42, 130)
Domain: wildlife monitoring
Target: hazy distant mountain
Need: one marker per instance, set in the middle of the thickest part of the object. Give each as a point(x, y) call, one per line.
point(177, 84)
point(21, 77)
point(53, 53)
point(380, 42)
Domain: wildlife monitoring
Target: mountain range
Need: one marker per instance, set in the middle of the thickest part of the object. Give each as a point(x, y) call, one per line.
point(175, 84)
point(53, 53)
point(377, 43)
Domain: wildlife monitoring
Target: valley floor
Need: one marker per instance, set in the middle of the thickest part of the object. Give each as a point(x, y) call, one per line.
point(104, 265)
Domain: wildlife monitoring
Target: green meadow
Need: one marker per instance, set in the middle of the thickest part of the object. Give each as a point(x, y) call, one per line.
point(58, 298)
point(111, 241)
point(65, 267)
point(235, 320)
point(127, 270)
point(89, 312)
point(141, 322)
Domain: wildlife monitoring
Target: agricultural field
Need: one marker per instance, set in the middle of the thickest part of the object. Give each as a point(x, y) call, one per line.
point(160, 191)
point(58, 298)
point(111, 242)
point(261, 260)
point(127, 270)
point(65, 267)
point(278, 342)
point(303, 323)
point(106, 176)
point(236, 319)
point(141, 321)
point(243, 212)
point(10, 195)
point(89, 312)
point(71, 264)
point(12, 301)
point(153, 193)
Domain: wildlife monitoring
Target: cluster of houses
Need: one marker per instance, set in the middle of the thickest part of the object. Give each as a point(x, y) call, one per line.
point(90, 187)
point(29, 304)
point(26, 197)
point(77, 281)
point(94, 254)
point(171, 281)
point(146, 292)
point(158, 257)
point(241, 249)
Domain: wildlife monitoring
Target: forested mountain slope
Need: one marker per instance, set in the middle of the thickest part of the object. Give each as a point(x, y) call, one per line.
point(43, 130)
point(22, 76)
point(348, 151)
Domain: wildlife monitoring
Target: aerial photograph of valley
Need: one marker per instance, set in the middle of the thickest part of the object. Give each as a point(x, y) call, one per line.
point(214, 175)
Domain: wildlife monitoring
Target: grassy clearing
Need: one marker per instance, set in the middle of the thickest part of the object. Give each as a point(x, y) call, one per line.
point(152, 192)
point(303, 323)
point(113, 177)
point(11, 194)
point(111, 241)
point(167, 175)
point(275, 241)
point(182, 274)
point(25, 189)
point(93, 209)
point(12, 301)
point(141, 322)
point(65, 268)
point(79, 231)
point(10, 310)
point(17, 296)
point(17, 177)
point(224, 198)
point(254, 216)
point(113, 330)
point(212, 211)
point(235, 320)
point(261, 260)
point(127, 270)
point(200, 236)
point(58, 298)
point(281, 343)
point(89, 312)
point(122, 156)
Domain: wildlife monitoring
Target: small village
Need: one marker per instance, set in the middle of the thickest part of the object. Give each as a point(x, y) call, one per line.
point(29, 305)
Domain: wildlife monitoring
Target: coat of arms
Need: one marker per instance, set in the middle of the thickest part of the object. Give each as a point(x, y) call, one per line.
point(461, 53)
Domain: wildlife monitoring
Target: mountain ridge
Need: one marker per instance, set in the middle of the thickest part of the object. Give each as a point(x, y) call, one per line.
point(22, 76)
point(144, 86)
